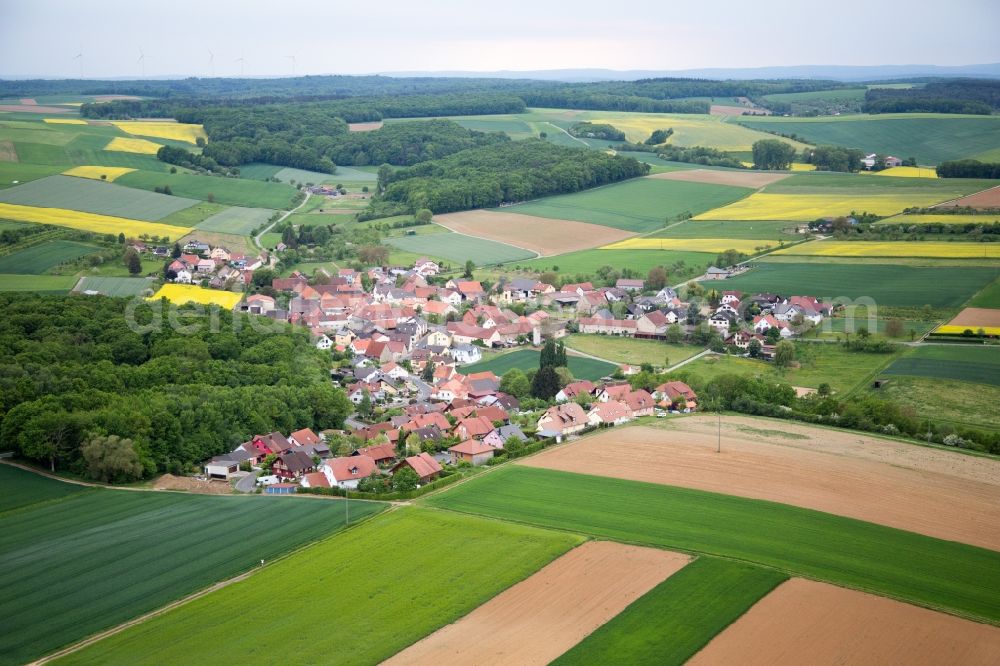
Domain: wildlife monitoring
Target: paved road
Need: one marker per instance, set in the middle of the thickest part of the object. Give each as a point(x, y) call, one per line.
point(248, 483)
point(689, 360)
point(256, 239)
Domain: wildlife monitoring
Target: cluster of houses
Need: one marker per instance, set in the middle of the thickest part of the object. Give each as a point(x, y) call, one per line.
point(201, 263)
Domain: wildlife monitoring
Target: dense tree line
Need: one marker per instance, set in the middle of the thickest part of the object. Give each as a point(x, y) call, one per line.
point(188, 160)
point(512, 171)
point(833, 158)
point(405, 144)
point(600, 101)
point(691, 154)
point(597, 131)
point(772, 154)
point(975, 96)
point(968, 169)
point(71, 369)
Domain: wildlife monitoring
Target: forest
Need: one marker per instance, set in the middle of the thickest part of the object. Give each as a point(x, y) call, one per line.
point(968, 169)
point(974, 96)
point(71, 369)
point(513, 171)
point(406, 144)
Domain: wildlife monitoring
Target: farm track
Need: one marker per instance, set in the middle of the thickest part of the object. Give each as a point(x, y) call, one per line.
point(256, 239)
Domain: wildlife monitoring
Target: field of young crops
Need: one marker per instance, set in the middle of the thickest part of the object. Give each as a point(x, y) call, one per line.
point(692, 244)
point(40, 258)
point(229, 191)
point(91, 196)
point(527, 359)
point(117, 287)
point(640, 204)
point(964, 363)
point(630, 350)
point(98, 172)
point(886, 284)
point(97, 558)
point(887, 561)
point(928, 137)
point(236, 220)
point(189, 293)
point(53, 284)
point(585, 262)
point(22, 488)
point(457, 248)
point(678, 617)
point(100, 224)
point(451, 564)
point(831, 248)
point(162, 130)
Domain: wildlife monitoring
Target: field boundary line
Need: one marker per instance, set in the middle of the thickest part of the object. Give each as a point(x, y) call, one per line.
point(587, 145)
point(76, 647)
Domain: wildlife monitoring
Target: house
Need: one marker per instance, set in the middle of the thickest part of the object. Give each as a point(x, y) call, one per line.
point(382, 454)
point(206, 266)
point(314, 480)
point(868, 161)
point(721, 321)
point(347, 472)
point(304, 437)
point(498, 436)
point(677, 393)
point(474, 427)
point(640, 402)
point(292, 464)
point(222, 467)
point(471, 451)
point(715, 273)
point(183, 276)
point(613, 392)
point(561, 420)
point(630, 285)
point(465, 354)
point(609, 413)
point(424, 464)
point(763, 323)
point(275, 442)
point(323, 342)
point(573, 389)
point(652, 324)
point(891, 161)
point(730, 297)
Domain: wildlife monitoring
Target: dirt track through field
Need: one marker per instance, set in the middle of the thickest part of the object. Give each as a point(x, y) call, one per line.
point(541, 617)
point(929, 491)
point(543, 235)
point(805, 622)
point(986, 199)
point(754, 179)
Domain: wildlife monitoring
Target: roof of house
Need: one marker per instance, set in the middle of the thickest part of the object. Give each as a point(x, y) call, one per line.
point(568, 413)
point(296, 461)
point(317, 480)
point(274, 441)
point(611, 410)
point(305, 436)
point(351, 468)
point(471, 447)
point(676, 389)
point(475, 426)
point(378, 452)
point(424, 465)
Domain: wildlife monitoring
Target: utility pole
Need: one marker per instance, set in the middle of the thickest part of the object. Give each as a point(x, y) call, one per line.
point(718, 446)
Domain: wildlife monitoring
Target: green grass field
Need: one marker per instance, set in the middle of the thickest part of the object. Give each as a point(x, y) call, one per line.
point(630, 350)
point(989, 297)
point(586, 262)
point(458, 247)
point(930, 138)
point(843, 551)
point(57, 284)
point(193, 215)
point(367, 594)
point(117, 287)
point(23, 488)
point(40, 258)
point(961, 362)
point(11, 171)
point(678, 617)
point(229, 191)
point(945, 400)
point(640, 204)
point(527, 359)
point(730, 229)
point(843, 184)
point(887, 284)
point(93, 196)
point(117, 554)
point(236, 220)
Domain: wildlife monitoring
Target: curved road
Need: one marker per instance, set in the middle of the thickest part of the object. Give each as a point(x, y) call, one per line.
point(256, 239)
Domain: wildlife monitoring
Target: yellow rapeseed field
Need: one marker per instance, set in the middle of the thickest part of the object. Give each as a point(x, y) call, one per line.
point(807, 207)
point(958, 330)
point(162, 130)
point(927, 249)
point(123, 145)
point(65, 121)
point(101, 224)
point(906, 172)
point(691, 244)
point(187, 293)
point(796, 166)
point(95, 172)
point(931, 218)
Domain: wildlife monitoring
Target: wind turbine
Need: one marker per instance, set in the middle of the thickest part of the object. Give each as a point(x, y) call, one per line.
point(79, 56)
point(243, 62)
point(142, 61)
point(293, 63)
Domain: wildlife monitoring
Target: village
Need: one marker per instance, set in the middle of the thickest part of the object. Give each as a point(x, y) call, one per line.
point(399, 348)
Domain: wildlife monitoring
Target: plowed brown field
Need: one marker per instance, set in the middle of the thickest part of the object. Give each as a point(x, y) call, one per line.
point(754, 179)
point(541, 617)
point(976, 317)
point(986, 199)
point(539, 234)
point(364, 127)
point(805, 622)
point(920, 489)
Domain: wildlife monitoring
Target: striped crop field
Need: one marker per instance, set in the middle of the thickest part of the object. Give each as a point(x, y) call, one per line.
point(692, 244)
point(98, 172)
point(185, 132)
point(929, 249)
point(937, 218)
point(124, 145)
point(65, 121)
point(99, 224)
point(807, 207)
point(187, 293)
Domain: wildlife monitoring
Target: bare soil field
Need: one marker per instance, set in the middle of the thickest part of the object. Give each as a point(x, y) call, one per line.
point(973, 317)
point(754, 179)
point(541, 617)
point(28, 100)
point(538, 234)
point(364, 127)
point(733, 110)
point(930, 491)
point(171, 482)
point(7, 152)
point(33, 108)
point(986, 199)
point(805, 622)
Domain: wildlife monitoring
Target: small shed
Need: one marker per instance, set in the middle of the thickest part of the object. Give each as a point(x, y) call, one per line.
point(280, 489)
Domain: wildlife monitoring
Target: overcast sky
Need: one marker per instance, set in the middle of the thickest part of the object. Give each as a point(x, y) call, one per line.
point(41, 37)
